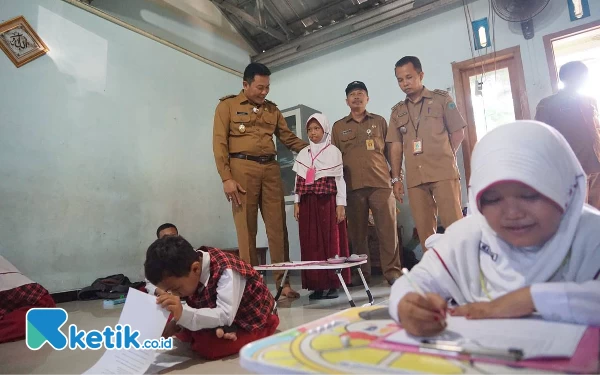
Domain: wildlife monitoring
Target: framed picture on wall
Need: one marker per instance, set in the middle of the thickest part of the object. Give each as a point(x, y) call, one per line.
point(295, 118)
point(20, 42)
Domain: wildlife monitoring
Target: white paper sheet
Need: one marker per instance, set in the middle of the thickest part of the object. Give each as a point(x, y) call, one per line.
point(164, 361)
point(537, 338)
point(143, 314)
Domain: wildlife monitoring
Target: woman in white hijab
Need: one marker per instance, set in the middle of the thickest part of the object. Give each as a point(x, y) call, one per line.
point(320, 207)
point(530, 244)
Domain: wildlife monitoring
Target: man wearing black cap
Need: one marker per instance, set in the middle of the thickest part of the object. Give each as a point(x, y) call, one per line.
point(361, 138)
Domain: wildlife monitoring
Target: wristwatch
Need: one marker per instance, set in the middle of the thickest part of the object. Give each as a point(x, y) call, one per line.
point(395, 179)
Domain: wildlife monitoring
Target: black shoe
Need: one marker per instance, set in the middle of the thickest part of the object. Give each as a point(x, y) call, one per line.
point(317, 294)
point(331, 294)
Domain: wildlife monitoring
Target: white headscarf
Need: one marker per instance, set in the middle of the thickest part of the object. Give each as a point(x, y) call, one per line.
point(329, 162)
point(539, 156)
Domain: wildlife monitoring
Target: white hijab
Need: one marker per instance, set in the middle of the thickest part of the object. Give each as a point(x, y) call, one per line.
point(539, 156)
point(329, 162)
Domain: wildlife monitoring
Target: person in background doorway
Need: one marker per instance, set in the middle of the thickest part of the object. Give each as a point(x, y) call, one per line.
point(319, 207)
point(244, 151)
point(360, 136)
point(426, 130)
point(575, 116)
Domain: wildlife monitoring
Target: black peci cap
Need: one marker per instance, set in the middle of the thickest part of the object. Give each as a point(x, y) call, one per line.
point(354, 86)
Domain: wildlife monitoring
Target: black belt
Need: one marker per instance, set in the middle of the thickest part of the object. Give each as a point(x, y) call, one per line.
point(259, 159)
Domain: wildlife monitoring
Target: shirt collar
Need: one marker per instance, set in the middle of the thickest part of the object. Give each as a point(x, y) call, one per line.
point(241, 98)
point(367, 114)
point(425, 94)
point(205, 273)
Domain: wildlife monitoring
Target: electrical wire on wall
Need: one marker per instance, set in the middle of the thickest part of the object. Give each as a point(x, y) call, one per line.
point(483, 77)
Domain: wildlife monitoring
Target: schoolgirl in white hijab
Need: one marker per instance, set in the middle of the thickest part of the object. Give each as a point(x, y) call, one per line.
point(530, 244)
point(321, 159)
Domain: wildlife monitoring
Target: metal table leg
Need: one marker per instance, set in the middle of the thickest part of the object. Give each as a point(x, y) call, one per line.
point(371, 299)
point(281, 286)
point(338, 272)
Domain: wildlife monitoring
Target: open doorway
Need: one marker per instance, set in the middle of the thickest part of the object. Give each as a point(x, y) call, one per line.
point(580, 43)
point(490, 91)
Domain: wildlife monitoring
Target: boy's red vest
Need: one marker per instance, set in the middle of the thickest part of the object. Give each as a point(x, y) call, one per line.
point(257, 302)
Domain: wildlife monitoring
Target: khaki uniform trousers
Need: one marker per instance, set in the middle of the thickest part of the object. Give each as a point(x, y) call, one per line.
point(382, 203)
point(264, 191)
point(423, 200)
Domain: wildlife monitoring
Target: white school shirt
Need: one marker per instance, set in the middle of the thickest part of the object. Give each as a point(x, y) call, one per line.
point(230, 289)
point(567, 302)
point(340, 198)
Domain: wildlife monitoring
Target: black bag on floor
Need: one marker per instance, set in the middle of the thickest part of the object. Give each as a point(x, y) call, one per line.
point(110, 287)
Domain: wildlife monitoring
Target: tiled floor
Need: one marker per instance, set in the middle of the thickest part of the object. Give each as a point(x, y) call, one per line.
point(16, 358)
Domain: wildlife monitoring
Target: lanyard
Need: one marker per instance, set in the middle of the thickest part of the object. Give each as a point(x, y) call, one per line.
point(416, 127)
point(312, 161)
point(482, 278)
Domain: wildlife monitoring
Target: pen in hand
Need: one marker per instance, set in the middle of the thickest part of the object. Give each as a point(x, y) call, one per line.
point(420, 292)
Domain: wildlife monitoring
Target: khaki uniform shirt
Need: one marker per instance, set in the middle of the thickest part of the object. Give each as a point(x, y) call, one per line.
point(362, 167)
point(238, 129)
point(576, 118)
point(431, 120)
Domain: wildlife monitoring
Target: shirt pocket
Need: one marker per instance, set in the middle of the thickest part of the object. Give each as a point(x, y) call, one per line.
point(237, 121)
point(269, 122)
point(434, 118)
point(347, 136)
point(401, 122)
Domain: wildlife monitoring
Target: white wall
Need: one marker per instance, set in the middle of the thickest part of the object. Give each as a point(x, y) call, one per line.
point(198, 26)
point(102, 140)
point(438, 41)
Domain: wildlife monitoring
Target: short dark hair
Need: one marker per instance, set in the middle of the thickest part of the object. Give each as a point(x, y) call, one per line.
point(573, 69)
point(410, 60)
point(169, 256)
point(254, 69)
point(165, 226)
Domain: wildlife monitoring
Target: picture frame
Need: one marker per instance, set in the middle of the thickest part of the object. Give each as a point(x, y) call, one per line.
point(20, 42)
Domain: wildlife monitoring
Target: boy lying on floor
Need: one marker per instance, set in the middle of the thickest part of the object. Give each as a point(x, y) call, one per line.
point(220, 290)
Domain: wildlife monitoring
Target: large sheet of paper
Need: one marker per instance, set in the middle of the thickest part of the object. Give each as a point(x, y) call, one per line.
point(537, 338)
point(143, 314)
point(165, 361)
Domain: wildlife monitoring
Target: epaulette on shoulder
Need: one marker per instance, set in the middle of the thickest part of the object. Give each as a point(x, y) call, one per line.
point(398, 105)
point(441, 92)
point(227, 97)
point(270, 102)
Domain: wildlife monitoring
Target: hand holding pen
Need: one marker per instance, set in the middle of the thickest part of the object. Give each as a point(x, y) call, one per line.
point(422, 314)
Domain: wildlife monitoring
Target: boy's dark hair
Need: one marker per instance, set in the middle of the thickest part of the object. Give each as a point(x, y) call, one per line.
point(254, 69)
point(165, 226)
point(410, 60)
point(573, 69)
point(169, 256)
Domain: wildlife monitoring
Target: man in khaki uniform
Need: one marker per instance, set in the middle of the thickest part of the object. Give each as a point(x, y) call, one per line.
point(245, 153)
point(426, 129)
point(576, 117)
point(360, 136)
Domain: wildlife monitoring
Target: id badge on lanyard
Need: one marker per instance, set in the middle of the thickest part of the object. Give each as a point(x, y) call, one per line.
point(417, 146)
point(312, 171)
point(417, 142)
